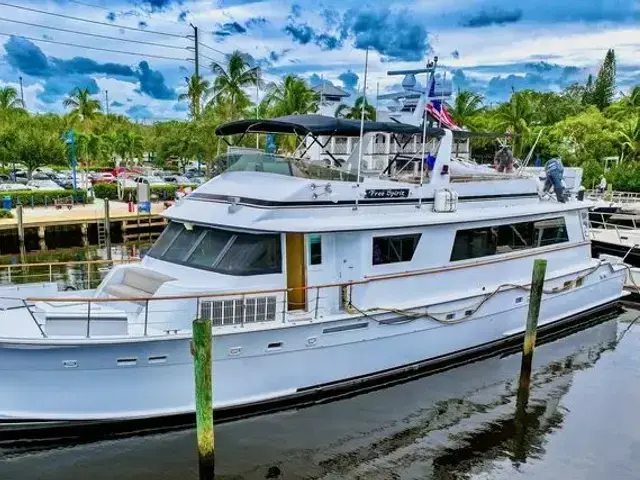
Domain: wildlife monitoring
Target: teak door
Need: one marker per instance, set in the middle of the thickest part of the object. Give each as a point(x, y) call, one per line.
point(296, 271)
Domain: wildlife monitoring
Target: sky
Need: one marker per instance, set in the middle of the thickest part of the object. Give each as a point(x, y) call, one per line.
point(137, 53)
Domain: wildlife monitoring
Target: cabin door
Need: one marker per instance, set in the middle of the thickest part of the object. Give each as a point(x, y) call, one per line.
point(296, 271)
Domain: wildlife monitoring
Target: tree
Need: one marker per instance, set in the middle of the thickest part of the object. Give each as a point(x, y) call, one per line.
point(232, 79)
point(9, 100)
point(82, 105)
point(37, 148)
point(630, 139)
point(587, 92)
point(627, 106)
point(466, 107)
point(355, 112)
point(291, 97)
point(197, 89)
point(516, 117)
point(605, 85)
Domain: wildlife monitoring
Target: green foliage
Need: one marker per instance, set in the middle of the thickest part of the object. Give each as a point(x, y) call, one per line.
point(290, 97)
point(110, 191)
point(44, 197)
point(605, 84)
point(466, 107)
point(355, 112)
point(6, 214)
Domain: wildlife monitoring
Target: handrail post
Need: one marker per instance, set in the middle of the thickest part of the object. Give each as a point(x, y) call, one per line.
point(146, 316)
point(315, 314)
point(50, 273)
point(88, 276)
point(9, 273)
point(284, 306)
point(88, 318)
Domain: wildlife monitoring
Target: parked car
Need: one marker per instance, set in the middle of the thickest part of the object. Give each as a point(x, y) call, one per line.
point(103, 177)
point(178, 180)
point(150, 180)
point(14, 187)
point(44, 185)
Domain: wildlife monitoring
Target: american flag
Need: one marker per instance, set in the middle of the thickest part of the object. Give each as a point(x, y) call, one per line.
point(437, 110)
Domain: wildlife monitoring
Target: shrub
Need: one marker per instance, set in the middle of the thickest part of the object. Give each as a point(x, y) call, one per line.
point(6, 214)
point(110, 191)
point(43, 197)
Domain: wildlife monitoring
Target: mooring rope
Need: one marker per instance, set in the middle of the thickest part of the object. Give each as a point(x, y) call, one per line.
point(412, 315)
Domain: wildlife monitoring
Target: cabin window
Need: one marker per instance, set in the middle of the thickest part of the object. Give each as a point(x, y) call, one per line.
point(494, 240)
point(218, 250)
point(398, 248)
point(315, 249)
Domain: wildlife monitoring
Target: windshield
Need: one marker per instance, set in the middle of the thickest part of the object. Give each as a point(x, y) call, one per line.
point(292, 167)
point(220, 251)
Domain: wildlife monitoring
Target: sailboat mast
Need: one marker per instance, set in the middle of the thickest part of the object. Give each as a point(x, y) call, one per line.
point(364, 102)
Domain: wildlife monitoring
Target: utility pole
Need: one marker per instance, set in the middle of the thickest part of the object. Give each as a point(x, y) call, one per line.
point(195, 49)
point(106, 101)
point(22, 94)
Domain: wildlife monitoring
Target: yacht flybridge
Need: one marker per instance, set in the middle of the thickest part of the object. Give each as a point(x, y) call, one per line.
point(316, 281)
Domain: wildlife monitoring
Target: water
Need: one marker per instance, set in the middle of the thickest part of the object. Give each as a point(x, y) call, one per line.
point(460, 424)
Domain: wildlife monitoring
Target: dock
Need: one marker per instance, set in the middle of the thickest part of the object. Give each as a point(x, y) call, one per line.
point(134, 225)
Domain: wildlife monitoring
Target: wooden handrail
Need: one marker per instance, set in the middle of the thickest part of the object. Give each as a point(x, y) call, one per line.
point(415, 273)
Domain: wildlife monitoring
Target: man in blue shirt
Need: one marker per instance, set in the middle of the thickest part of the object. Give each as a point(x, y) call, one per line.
point(554, 171)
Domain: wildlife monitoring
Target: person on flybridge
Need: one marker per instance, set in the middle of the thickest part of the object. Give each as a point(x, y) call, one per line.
point(554, 171)
point(503, 160)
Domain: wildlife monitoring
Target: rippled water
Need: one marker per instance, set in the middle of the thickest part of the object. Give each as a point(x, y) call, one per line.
point(460, 424)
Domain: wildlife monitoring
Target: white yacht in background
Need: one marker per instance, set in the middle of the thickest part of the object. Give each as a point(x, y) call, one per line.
point(316, 281)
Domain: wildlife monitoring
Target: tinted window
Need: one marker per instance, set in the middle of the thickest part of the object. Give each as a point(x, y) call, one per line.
point(315, 249)
point(252, 255)
point(399, 248)
point(219, 250)
point(486, 241)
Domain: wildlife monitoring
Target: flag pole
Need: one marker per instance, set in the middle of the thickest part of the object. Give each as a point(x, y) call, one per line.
point(424, 134)
point(364, 102)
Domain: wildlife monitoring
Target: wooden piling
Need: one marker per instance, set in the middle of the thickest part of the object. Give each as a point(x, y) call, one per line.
point(20, 225)
point(535, 298)
point(201, 348)
point(107, 228)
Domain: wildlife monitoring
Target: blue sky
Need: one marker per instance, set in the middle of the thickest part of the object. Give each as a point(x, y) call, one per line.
point(491, 46)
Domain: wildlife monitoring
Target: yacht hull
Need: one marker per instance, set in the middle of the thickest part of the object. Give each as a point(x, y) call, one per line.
point(630, 254)
point(149, 378)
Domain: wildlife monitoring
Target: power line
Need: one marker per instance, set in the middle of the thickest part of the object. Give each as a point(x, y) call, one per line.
point(137, 54)
point(93, 34)
point(95, 22)
point(208, 58)
point(211, 48)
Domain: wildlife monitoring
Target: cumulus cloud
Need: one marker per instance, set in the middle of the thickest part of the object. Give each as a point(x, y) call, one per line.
point(152, 83)
point(29, 59)
point(156, 5)
point(116, 104)
point(56, 88)
point(349, 79)
point(139, 111)
point(228, 29)
point(301, 34)
point(395, 35)
point(495, 16)
point(255, 22)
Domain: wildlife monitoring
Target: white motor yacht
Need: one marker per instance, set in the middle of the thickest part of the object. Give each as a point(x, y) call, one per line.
point(316, 281)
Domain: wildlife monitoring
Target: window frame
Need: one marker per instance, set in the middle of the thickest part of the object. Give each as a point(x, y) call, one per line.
point(213, 268)
point(309, 256)
point(416, 235)
point(535, 240)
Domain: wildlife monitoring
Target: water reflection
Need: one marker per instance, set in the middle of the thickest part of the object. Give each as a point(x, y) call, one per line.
point(458, 424)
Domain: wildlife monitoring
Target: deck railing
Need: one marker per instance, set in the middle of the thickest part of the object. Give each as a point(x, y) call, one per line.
point(613, 196)
point(77, 275)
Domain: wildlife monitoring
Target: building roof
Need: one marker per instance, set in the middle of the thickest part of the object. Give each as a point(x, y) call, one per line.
point(327, 89)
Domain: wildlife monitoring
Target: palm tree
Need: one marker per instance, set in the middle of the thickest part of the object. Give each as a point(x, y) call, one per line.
point(230, 81)
point(9, 100)
point(516, 117)
point(291, 97)
point(630, 139)
point(129, 145)
point(355, 112)
point(82, 105)
point(197, 88)
point(466, 106)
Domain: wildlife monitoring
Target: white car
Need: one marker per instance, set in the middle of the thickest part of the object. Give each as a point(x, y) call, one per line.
point(44, 185)
point(14, 187)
